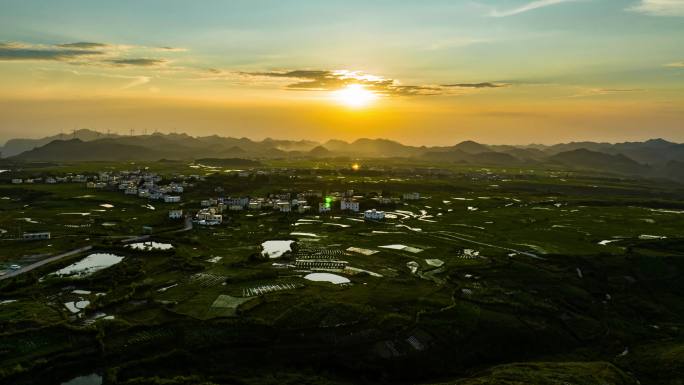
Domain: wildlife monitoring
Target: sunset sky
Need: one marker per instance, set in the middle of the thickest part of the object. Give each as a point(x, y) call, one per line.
point(420, 72)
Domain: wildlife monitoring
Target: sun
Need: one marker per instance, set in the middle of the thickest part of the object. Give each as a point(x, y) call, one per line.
point(355, 96)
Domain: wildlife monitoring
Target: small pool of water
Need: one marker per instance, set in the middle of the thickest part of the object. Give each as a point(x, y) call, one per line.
point(89, 265)
point(276, 249)
point(304, 234)
point(91, 379)
point(327, 277)
point(402, 248)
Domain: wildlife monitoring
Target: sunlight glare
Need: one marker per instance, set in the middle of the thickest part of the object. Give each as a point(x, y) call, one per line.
point(355, 95)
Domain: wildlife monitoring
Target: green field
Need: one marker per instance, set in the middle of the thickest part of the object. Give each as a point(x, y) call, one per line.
point(528, 289)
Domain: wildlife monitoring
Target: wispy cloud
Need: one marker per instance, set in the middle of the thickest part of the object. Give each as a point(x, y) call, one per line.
point(530, 6)
point(589, 92)
point(19, 51)
point(675, 65)
point(83, 53)
point(171, 49)
point(659, 7)
point(476, 85)
point(138, 81)
point(329, 80)
point(83, 45)
point(138, 62)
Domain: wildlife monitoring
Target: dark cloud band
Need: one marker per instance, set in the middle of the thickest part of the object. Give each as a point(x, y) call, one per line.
point(326, 80)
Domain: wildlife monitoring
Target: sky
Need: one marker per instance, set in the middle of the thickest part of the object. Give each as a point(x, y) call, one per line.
point(423, 72)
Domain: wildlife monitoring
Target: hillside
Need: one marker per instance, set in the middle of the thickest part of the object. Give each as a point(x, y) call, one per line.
point(652, 158)
point(78, 150)
point(593, 160)
point(17, 146)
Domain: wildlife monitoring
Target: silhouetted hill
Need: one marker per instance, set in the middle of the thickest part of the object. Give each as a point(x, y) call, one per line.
point(565, 147)
point(594, 160)
point(78, 150)
point(656, 157)
point(17, 146)
point(484, 158)
point(320, 152)
point(228, 162)
point(471, 147)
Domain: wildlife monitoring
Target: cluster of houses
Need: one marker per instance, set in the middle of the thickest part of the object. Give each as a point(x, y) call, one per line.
point(51, 180)
point(212, 209)
point(139, 183)
point(143, 184)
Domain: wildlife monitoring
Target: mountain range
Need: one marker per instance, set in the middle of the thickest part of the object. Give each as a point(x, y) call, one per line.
point(656, 157)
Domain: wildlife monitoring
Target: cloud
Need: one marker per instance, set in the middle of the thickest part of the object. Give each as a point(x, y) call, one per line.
point(137, 62)
point(477, 85)
point(530, 6)
point(83, 53)
point(326, 80)
point(83, 45)
point(589, 92)
point(138, 81)
point(659, 7)
point(675, 65)
point(329, 80)
point(171, 49)
point(15, 51)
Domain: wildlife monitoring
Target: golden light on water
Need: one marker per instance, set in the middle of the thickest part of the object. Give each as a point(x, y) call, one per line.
point(355, 96)
point(356, 167)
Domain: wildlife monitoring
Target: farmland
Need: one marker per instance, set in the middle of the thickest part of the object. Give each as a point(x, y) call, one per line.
point(583, 270)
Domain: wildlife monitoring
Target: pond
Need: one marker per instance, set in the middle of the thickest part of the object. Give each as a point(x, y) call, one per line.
point(402, 248)
point(276, 249)
point(91, 379)
point(89, 265)
point(327, 277)
point(304, 234)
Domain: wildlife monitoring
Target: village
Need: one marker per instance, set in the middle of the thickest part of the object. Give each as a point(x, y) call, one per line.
point(151, 186)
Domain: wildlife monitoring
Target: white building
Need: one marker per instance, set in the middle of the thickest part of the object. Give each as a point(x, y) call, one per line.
point(176, 188)
point(284, 207)
point(412, 196)
point(244, 201)
point(385, 200)
point(374, 215)
point(175, 214)
point(208, 217)
point(17, 181)
point(348, 204)
point(172, 199)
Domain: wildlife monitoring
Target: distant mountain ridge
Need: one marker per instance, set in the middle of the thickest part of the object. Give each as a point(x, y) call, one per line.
point(655, 157)
point(16, 146)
